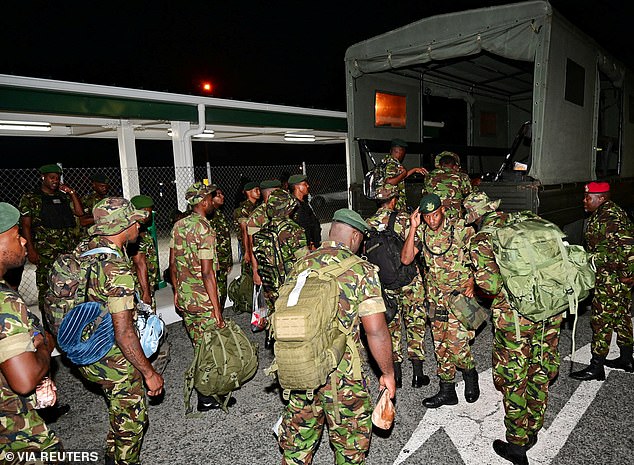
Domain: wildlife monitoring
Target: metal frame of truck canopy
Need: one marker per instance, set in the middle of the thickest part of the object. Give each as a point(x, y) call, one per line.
point(510, 59)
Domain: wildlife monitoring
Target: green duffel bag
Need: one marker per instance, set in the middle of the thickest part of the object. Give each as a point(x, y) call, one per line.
point(224, 360)
point(240, 292)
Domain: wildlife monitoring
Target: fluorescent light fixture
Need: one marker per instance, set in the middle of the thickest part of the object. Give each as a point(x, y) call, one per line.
point(25, 126)
point(296, 137)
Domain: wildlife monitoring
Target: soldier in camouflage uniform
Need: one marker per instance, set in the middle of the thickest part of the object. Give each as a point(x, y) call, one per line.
point(193, 266)
point(444, 245)
point(410, 298)
point(48, 223)
point(257, 219)
point(220, 225)
point(525, 354)
point(360, 298)
point(610, 240)
point(395, 173)
point(448, 183)
point(144, 254)
point(25, 354)
point(100, 190)
point(121, 373)
point(304, 214)
point(241, 215)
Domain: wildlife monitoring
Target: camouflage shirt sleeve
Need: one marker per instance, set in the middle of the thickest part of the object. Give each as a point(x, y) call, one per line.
point(486, 271)
point(15, 329)
point(28, 204)
point(610, 240)
point(370, 292)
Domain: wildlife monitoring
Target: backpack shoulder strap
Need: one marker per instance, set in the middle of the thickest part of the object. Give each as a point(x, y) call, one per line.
point(392, 220)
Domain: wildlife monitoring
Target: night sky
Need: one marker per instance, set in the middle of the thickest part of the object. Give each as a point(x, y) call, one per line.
point(276, 52)
point(288, 53)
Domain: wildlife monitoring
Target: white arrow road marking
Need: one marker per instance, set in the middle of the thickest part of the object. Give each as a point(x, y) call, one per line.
point(473, 427)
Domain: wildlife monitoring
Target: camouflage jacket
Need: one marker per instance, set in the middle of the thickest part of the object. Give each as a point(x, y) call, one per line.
point(257, 218)
point(89, 201)
point(359, 291)
point(393, 168)
point(192, 240)
point(241, 216)
point(220, 225)
point(610, 240)
point(48, 236)
point(486, 272)
point(451, 186)
point(446, 257)
point(146, 246)
point(112, 281)
point(16, 337)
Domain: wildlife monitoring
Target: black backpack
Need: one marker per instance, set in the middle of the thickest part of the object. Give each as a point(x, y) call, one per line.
point(383, 248)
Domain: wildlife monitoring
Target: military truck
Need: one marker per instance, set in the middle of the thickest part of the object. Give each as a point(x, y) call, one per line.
point(534, 107)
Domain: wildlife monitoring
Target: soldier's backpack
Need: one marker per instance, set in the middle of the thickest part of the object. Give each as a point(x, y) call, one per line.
point(383, 248)
point(68, 284)
point(309, 338)
point(374, 180)
point(542, 275)
point(273, 265)
point(240, 292)
point(224, 360)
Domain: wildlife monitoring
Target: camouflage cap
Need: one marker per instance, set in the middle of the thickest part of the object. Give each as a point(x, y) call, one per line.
point(386, 191)
point(446, 153)
point(296, 179)
point(197, 192)
point(52, 168)
point(429, 204)
point(142, 201)
point(113, 215)
point(477, 205)
point(351, 218)
point(9, 216)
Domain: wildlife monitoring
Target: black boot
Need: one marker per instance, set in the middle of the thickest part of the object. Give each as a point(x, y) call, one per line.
point(532, 440)
point(511, 452)
point(419, 379)
point(206, 403)
point(471, 386)
point(624, 361)
point(594, 371)
point(268, 341)
point(446, 396)
point(398, 374)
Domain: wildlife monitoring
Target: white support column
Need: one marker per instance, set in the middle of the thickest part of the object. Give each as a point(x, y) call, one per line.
point(128, 160)
point(183, 160)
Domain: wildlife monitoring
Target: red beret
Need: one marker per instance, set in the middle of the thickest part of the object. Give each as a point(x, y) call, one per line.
point(597, 188)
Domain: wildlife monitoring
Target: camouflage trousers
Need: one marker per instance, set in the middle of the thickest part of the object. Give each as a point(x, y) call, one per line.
point(411, 314)
point(197, 323)
point(610, 312)
point(303, 423)
point(25, 432)
point(523, 369)
point(451, 345)
point(122, 384)
point(47, 258)
point(221, 284)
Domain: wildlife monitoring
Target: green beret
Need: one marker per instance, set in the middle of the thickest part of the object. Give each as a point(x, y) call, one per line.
point(429, 203)
point(296, 179)
point(270, 184)
point(52, 168)
point(399, 143)
point(250, 185)
point(142, 201)
point(196, 193)
point(9, 216)
point(100, 177)
point(351, 218)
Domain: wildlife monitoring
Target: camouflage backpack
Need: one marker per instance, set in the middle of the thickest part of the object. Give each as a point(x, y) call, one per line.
point(240, 292)
point(274, 261)
point(68, 284)
point(542, 275)
point(309, 338)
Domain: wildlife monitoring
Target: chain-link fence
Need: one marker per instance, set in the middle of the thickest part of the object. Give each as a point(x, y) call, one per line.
point(327, 186)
